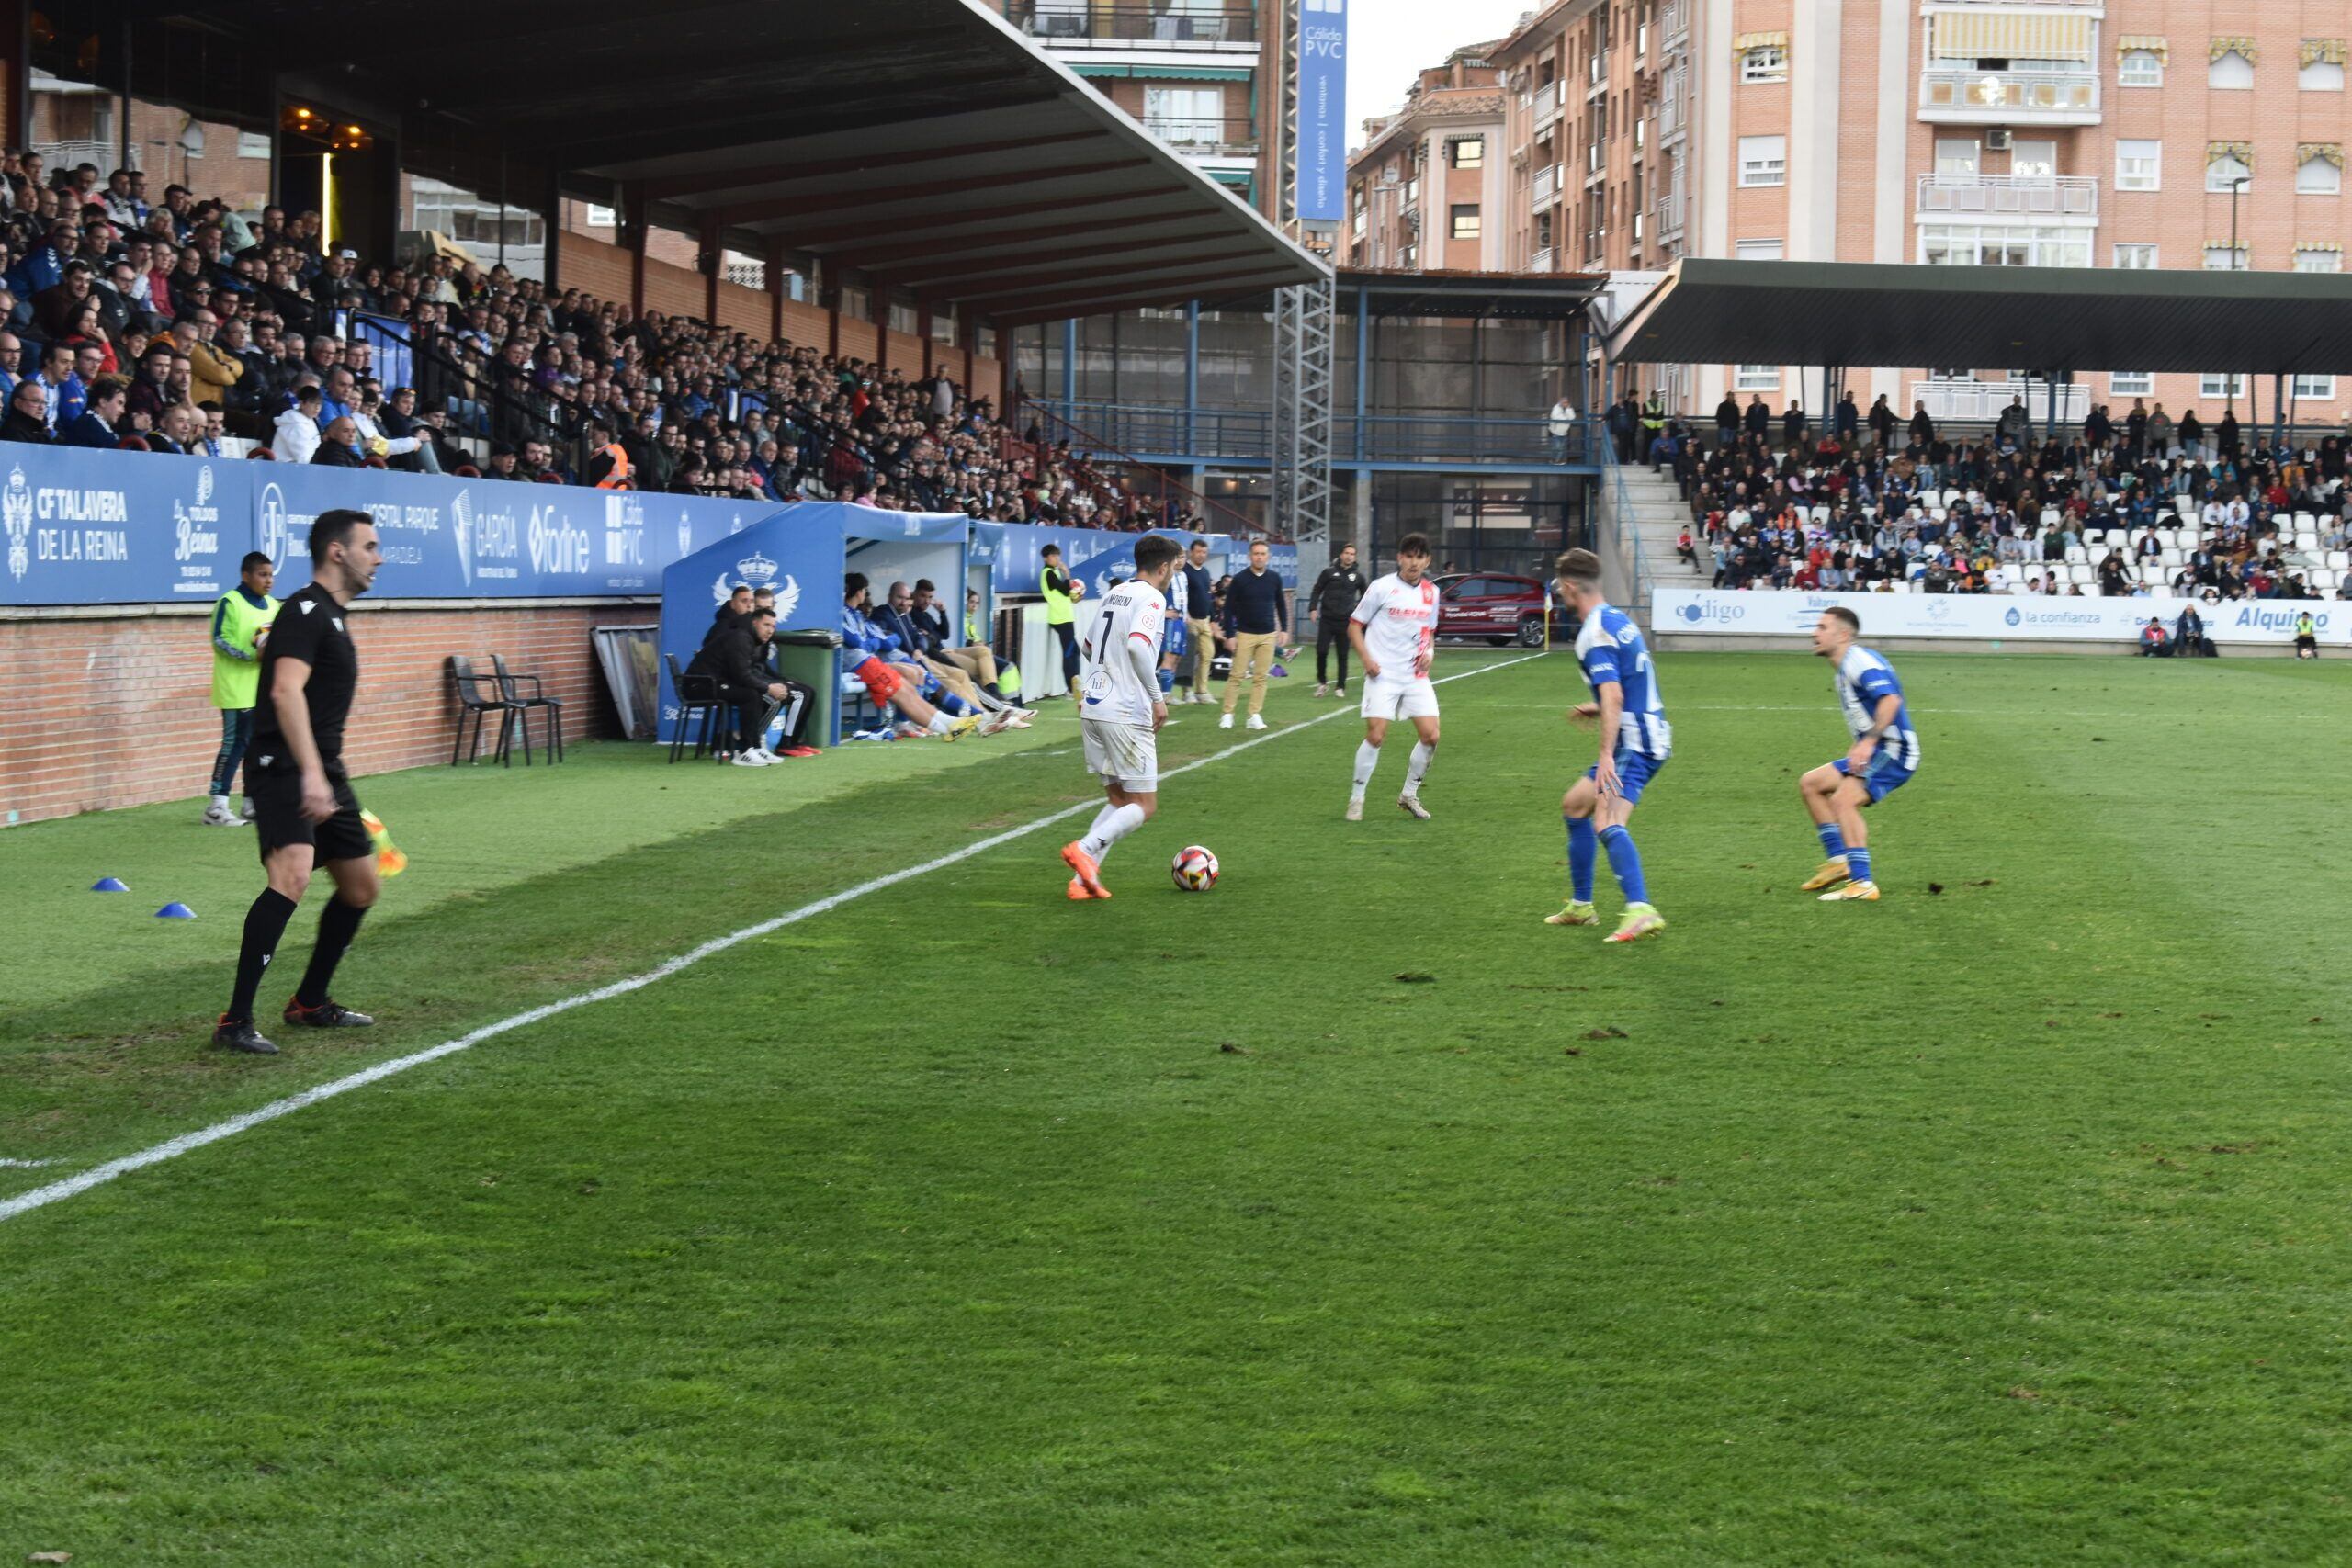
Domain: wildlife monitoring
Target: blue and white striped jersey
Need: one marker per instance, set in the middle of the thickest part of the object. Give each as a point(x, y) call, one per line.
point(1611, 650)
point(1863, 680)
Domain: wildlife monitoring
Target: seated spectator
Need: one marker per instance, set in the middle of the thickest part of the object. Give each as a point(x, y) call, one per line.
point(339, 445)
point(896, 618)
point(736, 656)
point(295, 438)
point(96, 425)
point(27, 417)
point(176, 432)
point(864, 650)
point(2154, 642)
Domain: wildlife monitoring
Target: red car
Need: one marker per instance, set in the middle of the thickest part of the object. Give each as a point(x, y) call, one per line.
point(1488, 604)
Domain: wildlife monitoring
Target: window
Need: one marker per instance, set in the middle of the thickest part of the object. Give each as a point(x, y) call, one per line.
point(1956, 155)
point(2139, 166)
point(2140, 68)
point(1185, 116)
point(902, 319)
point(602, 216)
point(2132, 383)
point(192, 139)
point(2135, 258)
point(253, 145)
point(1465, 221)
point(1994, 244)
point(1765, 63)
point(2233, 67)
point(2322, 66)
point(2033, 159)
point(1757, 379)
point(2226, 258)
point(2311, 258)
point(2314, 389)
point(1763, 160)
point(1467, 152)
point(2226, 164)
point(2318, 173)
point(1756, 250)
point(2211, 386)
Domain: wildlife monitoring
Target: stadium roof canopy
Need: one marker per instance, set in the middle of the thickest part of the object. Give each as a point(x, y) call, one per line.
point(924, 142)
point(1481, 295)
point(2046, 319)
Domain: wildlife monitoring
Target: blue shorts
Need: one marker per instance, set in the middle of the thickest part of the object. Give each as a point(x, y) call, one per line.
point(1885, 776)
point(1173, 637)
point(1634, 771)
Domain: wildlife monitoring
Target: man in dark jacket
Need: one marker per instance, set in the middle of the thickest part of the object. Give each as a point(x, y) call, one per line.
point(98, 423)
point(736, 656)
point(339, 447)
point(28, 418)
point(1200, 611)
point(1334, 599)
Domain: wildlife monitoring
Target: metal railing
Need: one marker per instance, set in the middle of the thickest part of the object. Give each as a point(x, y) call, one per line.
point(1202, 134)
point(1624, 538)
point(1247, 435)
point(1160, 489)
point(1990, 97)
point(1674, 20)
point(2025, 196)
point(1973, 400)
point(1078, 21)
point(1547, 187)
point(1548, 100)
point(1542, 260)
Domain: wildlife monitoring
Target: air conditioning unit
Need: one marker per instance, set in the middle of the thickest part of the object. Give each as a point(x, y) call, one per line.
point(1996, 142)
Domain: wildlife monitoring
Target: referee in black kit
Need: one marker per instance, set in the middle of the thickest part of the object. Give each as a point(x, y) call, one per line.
point(303, 808)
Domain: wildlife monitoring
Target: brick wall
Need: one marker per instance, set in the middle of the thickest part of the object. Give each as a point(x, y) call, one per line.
point(858, 338)
point(601, 270)
point(804, 325)
point(743, 309)
point(675, 291)
point(125, 716)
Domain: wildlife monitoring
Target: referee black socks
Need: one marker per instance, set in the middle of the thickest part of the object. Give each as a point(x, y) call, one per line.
point(338, 923)
point(265, 924)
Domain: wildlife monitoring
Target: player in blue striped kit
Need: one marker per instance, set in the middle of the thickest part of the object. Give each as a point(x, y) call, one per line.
point(1635, 742)
point(1884, 755)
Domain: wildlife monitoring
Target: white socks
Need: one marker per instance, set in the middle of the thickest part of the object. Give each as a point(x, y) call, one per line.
point(1419, 766)
point(1111, 824)
point(939, 723)
point(1367, 757)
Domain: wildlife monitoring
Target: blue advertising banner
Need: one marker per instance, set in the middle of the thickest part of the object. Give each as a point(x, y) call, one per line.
point(1322, 110)
point(95, 527)
point(447, 538)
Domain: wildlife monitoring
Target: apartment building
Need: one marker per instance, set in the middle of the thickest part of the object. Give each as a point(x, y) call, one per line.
point(1427, 188)
point(1198, 74)
point(2107, 134)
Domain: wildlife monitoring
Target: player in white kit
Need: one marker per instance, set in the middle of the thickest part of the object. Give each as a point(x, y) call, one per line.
point(1394, 632)
point(1120, 709)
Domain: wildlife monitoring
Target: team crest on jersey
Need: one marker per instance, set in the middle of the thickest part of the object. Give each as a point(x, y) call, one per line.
point(1627, 634)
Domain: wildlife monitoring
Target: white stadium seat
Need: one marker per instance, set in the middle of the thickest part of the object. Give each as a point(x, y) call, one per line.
point(2076, 555)
point(2340, 560)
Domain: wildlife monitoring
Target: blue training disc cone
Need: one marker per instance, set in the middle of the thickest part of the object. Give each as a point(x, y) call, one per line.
point(175, 910)
point(109, 885)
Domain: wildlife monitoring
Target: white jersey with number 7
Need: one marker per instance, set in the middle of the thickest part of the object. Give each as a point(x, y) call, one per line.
point(1120, 674)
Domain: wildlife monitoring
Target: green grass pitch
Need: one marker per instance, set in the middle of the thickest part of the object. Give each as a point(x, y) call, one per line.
point(2004, 1223)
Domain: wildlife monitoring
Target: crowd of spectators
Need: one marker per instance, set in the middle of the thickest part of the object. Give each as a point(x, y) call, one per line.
point(2142, 506)
point(162, 322)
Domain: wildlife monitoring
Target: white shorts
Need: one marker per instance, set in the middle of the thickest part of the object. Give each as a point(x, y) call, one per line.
point(1412, 697)
point(1128, 754)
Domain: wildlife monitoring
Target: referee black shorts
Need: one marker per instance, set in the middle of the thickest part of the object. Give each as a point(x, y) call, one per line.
point(276, 790)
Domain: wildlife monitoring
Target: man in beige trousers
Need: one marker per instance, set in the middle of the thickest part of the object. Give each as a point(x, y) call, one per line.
point(1256, 617)
point(1200, 610)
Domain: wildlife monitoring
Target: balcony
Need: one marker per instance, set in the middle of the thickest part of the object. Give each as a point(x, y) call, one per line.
point(1546, 103)
point(1236, 138)
point(1982, 401)
point(1136, 26)
point(2071, 196)
point(1542, 260)
point(1674, 21)
point(2067, 96)
point(1546, 189)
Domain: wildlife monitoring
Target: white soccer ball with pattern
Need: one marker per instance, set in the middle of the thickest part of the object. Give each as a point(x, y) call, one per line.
point(1194, 869)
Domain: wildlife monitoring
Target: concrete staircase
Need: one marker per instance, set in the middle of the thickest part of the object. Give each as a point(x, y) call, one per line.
point(1653, 513)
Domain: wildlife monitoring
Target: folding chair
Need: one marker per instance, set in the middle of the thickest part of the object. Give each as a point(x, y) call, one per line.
point(697, 695)
point(478, 697)
point(511, 687)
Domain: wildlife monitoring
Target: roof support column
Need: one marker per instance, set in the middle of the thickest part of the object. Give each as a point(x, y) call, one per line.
point(633, 236)
point(965, 331)
point(923, 330)
point(775, 289)
point(878, 301)
point(708, 257)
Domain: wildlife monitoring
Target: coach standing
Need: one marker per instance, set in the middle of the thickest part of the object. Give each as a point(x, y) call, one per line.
point(1257, 617)
point(1335, 594)
point(303, 808)
point(240, 624)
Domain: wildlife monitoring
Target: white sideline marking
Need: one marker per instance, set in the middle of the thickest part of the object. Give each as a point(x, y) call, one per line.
point(187, 1142)
point(25, 1164)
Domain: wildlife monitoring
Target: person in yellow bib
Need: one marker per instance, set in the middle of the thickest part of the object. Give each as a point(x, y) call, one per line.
point(240, 626)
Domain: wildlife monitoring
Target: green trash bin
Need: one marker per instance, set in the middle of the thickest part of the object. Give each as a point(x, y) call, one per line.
point(813, 658)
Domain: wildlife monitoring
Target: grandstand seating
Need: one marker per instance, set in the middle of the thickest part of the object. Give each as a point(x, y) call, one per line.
point(511, 370)
point(2268, 522)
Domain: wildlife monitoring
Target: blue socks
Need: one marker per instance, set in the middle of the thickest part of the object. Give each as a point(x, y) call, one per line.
point(1166, 681)
point(1584, 849)
point(1626, 862)
point(1858, 865)
point(1833, 841)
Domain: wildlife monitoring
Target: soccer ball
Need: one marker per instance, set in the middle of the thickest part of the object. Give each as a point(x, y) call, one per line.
point(1194, 869)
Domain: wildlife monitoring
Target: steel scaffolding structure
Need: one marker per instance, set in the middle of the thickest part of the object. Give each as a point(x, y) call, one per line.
point(1302, 325)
